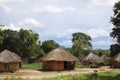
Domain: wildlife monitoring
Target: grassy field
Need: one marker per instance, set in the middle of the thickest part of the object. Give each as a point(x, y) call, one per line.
point(109, 75)
point(33, 66)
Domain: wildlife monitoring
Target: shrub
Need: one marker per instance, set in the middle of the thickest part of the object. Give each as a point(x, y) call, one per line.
point(93, 65)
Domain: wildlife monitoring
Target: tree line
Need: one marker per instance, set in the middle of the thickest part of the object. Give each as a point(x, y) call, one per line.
point(26, 43)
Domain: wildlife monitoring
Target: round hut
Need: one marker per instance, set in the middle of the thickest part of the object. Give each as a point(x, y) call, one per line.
point(92, 58)
point(104, 57)
point(9, 61)
point(58, 59)
point(115, 61)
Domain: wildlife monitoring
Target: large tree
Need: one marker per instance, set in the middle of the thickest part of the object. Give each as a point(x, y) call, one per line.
point(115, 48)
point(81, 42)
point(29, 43)
point(49, 45)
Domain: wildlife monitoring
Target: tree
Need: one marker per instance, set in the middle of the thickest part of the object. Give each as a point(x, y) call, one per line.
point(101, 52)
point(116, 29)
point(29, 45)
point(49, 45)
point(1, 35)
point(115, 49)
point(10, 39)
point(81, 42)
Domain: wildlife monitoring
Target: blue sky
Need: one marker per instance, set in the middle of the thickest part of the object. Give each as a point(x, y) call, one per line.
point(58, 19)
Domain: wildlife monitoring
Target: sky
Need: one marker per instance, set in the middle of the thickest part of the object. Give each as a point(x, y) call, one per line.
point(58, 19)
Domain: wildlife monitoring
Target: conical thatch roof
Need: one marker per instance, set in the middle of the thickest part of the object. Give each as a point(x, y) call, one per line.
point(92, 58)
point(104, 57)
point(116, 58)
point(6, 57)
point(59, 54)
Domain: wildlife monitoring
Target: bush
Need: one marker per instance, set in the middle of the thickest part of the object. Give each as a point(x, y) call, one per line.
point(106, 62)
point(93, 65)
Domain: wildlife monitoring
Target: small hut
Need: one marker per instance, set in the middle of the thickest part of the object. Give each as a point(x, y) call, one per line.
point(9, 61)
point(115, 61)
point(58, 59)
point(104, 57)
point(92, 58)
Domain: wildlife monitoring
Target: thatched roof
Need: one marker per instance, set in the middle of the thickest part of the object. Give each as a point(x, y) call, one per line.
point(59, 54)
point(116, 58)
point(104, 57)
point(6, 57)
point(92, 58)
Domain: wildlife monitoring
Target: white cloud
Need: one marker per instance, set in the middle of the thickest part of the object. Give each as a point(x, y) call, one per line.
point(102, 42)
point(7, 5)
point(12, 27)
point(11, 1)
point(101, 2)
point(93, 32)
point(5, 8)
point(2, 1)
point(30, 22)
point(66, 43)
point(98, 32)
point(54, 9)
point(67, 33)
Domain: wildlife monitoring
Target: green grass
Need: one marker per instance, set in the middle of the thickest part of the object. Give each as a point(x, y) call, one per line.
point(78, 64)
point(38, 66)
point(32, 66)
point(109, 75)
point(69, 77)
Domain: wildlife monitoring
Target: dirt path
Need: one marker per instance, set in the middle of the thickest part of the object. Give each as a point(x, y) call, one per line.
point(32, 74)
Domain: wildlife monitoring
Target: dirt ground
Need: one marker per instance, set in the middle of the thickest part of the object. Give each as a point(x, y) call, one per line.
point(32, 74)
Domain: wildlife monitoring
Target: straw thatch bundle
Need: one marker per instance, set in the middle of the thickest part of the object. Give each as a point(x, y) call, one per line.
point(59, 54)
point(6, 57)
point(93, 58)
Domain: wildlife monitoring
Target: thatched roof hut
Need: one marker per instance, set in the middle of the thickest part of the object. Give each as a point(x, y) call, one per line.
point(115, 61)
point(9, 61)
point(58, 59)
point(92, 58)
point(104, 57)
point(116, 58)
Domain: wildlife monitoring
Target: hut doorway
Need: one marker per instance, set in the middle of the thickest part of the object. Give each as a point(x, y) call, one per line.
point(65, 65)
point(68, 65)
point(6, 67)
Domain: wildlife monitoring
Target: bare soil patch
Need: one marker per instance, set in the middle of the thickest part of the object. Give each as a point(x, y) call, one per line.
point(32, 74)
